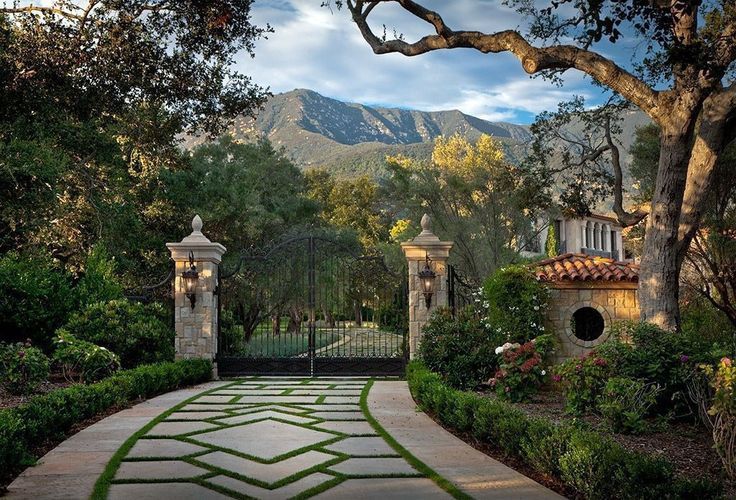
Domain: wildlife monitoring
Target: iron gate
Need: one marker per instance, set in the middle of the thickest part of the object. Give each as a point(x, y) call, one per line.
point(460, 292)
point(311, 306)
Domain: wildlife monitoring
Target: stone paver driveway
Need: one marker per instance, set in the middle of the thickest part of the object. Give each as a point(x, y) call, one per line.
point(269, 438)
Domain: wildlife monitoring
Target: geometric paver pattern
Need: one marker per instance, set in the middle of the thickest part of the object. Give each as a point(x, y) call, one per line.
point(276, 437)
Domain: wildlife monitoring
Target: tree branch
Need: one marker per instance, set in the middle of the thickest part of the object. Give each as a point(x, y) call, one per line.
point(710, 139)
point(533, 59)
point(35, 9)
point(624, 217)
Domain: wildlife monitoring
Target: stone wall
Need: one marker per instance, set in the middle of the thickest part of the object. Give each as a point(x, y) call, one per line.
point(615, 302)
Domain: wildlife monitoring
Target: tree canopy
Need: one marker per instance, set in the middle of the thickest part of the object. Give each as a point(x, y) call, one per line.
point(475, 197)
point(682, 78)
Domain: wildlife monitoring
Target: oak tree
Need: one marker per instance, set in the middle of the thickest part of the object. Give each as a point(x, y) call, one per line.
point(684, 83)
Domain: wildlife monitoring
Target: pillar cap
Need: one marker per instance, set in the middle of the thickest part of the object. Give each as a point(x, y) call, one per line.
point(197, 243)
point(426, 244)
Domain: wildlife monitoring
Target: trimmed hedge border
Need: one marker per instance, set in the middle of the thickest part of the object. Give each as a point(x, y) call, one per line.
point(586, 461)
point(51, 416)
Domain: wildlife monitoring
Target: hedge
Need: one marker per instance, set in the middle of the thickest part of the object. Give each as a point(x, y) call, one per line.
point(50, 416)
point(588, 462)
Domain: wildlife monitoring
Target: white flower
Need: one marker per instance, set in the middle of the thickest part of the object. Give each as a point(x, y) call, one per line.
point(536, 308)
point(544, 372)
point(499, 349)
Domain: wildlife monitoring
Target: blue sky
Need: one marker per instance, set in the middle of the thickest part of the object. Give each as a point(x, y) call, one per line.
point(321, 50)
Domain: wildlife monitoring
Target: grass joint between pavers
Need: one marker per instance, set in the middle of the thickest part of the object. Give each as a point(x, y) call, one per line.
point(287, 409)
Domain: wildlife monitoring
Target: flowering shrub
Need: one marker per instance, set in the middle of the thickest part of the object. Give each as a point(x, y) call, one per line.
point(516, 304)
point(582, 380)
point(82, 361)
point(522, 370)
point(625, 402)
point(723, 411)
point(22, 367)
point(459, 348)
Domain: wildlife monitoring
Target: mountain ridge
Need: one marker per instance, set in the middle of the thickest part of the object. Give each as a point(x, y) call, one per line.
point(352, 139)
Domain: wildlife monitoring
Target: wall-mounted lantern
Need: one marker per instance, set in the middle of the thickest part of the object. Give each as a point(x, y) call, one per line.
point(191, 278)
point(427, 278)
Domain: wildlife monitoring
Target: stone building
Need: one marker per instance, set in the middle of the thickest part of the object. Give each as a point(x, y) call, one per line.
point(588, 294)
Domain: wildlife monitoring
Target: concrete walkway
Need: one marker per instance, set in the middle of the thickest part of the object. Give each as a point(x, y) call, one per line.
point(272, 438)
point(472, 471)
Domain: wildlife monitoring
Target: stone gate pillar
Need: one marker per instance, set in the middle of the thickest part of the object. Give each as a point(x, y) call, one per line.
point(416, 252)
point(196, 327)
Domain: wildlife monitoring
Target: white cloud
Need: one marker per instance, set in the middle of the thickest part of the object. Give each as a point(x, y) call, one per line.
point(324, 51)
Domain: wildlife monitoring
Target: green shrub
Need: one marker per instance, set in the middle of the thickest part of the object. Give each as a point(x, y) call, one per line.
point(645, 352)
point(589, 462)
point(522, 370)
point(36, 298)
point(516, 303)
point(50, 416)
point(82, 361)
point(460, 348)
point(625, 403)
point(138, 333)
point(709, 327)
point(99, 282)
point(22, 367)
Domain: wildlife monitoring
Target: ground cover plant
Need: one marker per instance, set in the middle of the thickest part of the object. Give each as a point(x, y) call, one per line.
point(586, 461)
point(46, 418)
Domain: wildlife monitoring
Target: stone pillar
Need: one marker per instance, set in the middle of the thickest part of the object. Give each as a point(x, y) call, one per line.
point(416, 251)
point(196, 328)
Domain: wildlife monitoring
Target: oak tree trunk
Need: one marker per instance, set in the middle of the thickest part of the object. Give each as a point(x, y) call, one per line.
point(659, 281)
point(329, 318)
point(295, 320)
point(357, 309)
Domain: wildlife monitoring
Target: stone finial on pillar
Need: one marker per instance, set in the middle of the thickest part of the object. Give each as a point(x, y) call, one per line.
point(196, 328)
point(426, 244)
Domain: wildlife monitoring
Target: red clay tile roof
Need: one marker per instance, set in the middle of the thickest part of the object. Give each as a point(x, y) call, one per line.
point(581, 267)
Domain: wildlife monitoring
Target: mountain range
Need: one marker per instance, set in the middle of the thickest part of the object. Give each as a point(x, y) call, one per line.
point(350, 138)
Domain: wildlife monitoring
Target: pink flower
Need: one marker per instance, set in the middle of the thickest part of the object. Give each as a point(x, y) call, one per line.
point(726, 362)
point(21, 354)
point(556, 378)
point(600, 362)
point(684, 358)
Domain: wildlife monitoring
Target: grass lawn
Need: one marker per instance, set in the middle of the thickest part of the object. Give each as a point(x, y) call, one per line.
point(265, 344)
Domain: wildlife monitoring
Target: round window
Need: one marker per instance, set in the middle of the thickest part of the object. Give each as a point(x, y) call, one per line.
point(587, 324)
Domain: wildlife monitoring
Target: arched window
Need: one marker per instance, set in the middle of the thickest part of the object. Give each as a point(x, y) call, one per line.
point(587, 324)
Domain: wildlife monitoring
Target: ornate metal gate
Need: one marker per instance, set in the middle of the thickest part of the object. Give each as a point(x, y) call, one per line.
point(311, 306)
point(461, 292)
